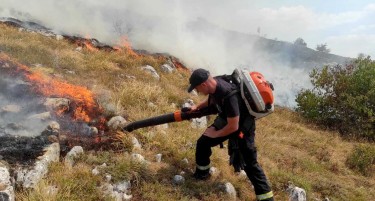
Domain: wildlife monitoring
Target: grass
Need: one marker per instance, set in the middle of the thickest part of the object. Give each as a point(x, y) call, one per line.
point(289, 149)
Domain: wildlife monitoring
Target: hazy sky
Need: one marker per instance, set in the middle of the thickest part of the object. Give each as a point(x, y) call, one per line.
point(347, 27)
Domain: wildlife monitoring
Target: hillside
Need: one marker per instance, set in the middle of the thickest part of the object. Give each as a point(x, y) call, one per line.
point(280, 52)
point(290, 149)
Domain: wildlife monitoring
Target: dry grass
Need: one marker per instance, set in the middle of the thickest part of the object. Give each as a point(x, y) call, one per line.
point(289, 149)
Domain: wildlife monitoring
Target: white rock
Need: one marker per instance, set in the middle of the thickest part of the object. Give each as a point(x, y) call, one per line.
point(59, 37)
point(41, 116)
point(151, 70)
point(178, 179)
point(136, 143)
point(127, 197)
point(32, 177)
point(138, 157)
point(296, 193)
point(108, 177)
point(95, 171)
point(199, 122)
point(230, 190)
point(11, 108)
point(122, 186)
point(214, 171)
point(57, 103)
point(158, 158)
point(167, 68)
point(72, 154)
point(6, 188)
point(185, 161)
point(116, 122)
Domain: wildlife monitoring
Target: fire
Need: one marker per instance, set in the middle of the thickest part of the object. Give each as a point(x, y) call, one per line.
point(89, 45)
point(125, 42)
point(85, 107)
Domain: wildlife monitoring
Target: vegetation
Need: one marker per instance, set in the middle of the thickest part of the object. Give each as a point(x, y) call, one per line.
point(362, 159)
point(343, 98)
point(289, 149)
point(300, 41)
point(322, 48)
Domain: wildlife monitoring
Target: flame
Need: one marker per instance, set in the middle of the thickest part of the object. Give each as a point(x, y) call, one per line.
point(85, 106)
point(126, 44)
point(88, 44)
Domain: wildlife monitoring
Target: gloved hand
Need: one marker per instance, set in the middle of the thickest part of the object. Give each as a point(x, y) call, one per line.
point(185, 109)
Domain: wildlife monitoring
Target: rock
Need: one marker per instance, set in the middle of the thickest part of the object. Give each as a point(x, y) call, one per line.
point(138, 157)
point(51, 190)
point(166, 68)
point(151, 70)
point(11, 108)
point(108, 177)
point(6, 188)
point(122, 187)
point(127, 197)
point(151, 105)
point(41, 116)
point(59, 37)
point(296, 193)
point(95, 171)
point(57, 104)
point(116, 122)
point(40, 169)
point(72, 154)
point(230, 190)
point(214, 171)
point(178, 179)
point(158, 158)
point(188, 103)
point(136, 144)
point(185, 161)
point(194, 93)
point(199, 123)
point(93, 131)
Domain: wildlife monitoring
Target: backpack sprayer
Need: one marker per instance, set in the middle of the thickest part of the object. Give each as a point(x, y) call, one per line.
point(255, 91)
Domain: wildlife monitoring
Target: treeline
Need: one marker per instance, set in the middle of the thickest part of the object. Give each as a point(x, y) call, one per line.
point(343, 98)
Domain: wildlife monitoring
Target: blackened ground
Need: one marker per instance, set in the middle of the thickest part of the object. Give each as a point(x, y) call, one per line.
point(22, 150)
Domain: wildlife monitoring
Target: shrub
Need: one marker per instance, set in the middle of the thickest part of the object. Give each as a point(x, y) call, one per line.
point(343, 98)
point(362, 159)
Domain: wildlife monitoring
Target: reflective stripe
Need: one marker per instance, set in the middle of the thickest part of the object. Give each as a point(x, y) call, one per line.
point(265, 196)
point(203, 167)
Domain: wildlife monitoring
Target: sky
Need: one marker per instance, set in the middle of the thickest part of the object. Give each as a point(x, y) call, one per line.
point(347, 27)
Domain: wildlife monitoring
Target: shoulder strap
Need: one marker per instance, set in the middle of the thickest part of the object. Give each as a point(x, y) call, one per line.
point(230, 94)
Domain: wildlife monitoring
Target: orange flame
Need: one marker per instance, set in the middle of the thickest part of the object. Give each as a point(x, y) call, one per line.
point(125, 42)
point(85, 105)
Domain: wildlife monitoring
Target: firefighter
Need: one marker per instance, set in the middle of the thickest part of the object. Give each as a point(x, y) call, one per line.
point(234, 123)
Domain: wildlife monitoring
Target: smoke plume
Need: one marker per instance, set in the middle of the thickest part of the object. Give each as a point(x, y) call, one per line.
point(185, 29)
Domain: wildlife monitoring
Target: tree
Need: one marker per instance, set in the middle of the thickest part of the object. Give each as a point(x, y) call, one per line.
point(322, 48)
point(300, 41)
point(343, 98)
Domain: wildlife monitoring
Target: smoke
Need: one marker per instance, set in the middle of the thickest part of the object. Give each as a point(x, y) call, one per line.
point(17, 107)
point(189, 30)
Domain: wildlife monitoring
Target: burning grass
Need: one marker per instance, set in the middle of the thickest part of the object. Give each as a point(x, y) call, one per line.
point(290, 150)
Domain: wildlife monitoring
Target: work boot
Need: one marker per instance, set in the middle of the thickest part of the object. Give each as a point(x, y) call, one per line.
point(202, 174)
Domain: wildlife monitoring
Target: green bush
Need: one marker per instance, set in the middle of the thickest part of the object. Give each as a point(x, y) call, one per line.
point(362, 159)
point(343, 98)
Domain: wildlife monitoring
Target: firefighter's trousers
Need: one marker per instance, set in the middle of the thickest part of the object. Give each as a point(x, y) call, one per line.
point(252, 168)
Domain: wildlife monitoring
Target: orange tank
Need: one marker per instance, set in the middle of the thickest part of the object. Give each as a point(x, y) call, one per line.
point(264, 87)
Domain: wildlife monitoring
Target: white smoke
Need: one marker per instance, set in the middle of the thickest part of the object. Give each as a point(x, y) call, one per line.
point(17, 108)
point(166, 26)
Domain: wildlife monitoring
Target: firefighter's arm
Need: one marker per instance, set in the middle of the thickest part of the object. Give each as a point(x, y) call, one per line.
point(199, 106)
point(231, 127)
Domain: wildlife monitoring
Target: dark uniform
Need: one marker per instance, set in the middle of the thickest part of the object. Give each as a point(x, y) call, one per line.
point(231, 105)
